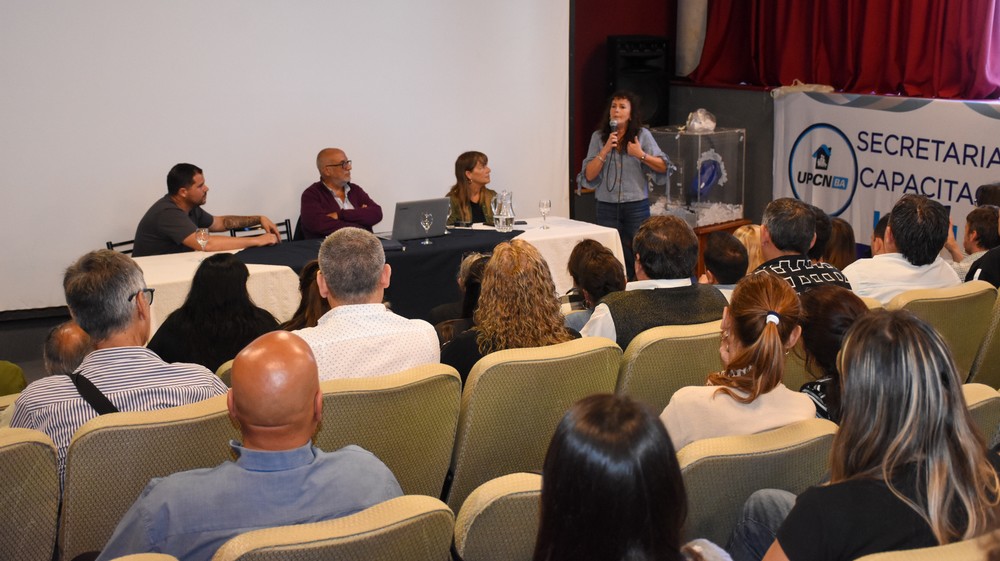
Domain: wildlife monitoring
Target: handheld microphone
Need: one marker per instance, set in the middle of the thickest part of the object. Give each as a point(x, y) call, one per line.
point(614, 125)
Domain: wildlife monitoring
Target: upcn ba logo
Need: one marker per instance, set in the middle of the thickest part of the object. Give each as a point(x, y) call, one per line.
point(823, 168)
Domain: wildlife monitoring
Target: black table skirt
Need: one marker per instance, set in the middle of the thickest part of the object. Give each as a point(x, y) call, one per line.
point(423, 276)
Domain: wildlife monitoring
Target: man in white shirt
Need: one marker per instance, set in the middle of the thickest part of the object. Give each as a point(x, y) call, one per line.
point(915, 234)
point(980, 236)
point(359, 337)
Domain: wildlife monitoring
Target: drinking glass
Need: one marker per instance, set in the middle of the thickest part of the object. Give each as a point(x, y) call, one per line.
point(544, 206)
point(201, 236)
point(426, 220)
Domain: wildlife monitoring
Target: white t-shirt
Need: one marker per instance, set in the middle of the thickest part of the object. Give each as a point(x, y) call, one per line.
point(885, 276)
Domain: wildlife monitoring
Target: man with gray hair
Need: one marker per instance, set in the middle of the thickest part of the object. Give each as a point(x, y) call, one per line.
point(359, 337)
point(108, 298)
point(787, 231)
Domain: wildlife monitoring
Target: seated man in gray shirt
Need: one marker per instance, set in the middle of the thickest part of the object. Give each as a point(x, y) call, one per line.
point(279, 477)
point(169, 225)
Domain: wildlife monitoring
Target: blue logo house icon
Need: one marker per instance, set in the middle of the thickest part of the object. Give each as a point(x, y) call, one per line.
point(822, 156)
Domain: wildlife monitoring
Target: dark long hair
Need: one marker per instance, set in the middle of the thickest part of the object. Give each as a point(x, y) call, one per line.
point(829, 311)
point(218, 318)
point(611, 486)
point(634, 121)
point(312, 306)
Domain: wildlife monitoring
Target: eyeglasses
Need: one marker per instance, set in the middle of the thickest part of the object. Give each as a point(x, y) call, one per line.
point(343, 164)
point(149, 295)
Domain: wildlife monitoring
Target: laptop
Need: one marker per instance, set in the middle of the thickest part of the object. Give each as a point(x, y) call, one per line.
point(406, 223)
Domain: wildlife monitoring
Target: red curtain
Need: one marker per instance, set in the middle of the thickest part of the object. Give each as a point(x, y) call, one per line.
point(926, 48)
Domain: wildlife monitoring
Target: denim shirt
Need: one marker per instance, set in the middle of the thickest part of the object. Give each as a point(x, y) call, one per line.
point(633, 180)
point(191, 514)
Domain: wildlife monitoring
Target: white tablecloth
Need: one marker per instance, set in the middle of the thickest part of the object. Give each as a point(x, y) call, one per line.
point(272, 287)
point(556, 243)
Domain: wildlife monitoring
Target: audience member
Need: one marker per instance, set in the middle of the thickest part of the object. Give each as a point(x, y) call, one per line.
point(312, 306)
point(518, 308)
point(909, 469)
point(725, 262)
point(828, 312)
point(841, 249)
point(334, 202)
point(758, 329)
point(470, 198)
point(824, 229)
point(65, 347)
point(612, 488)
point(472, 289)
point(749, 236)
point(988, 194)
point(980, 237)
point(915, 234)
point(108, 298)
point(453, 310)
point(596, 272)
point(666, 252)
point(787, 231)
point(573, 300)
point(878, 235)
point(279, 478)
point(169, 226)
point(359, 337)
point(217, 319)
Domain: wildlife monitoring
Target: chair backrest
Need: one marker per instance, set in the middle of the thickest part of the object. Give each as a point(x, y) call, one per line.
point(11, 378)
point(968, 550)
point(872, 303)
point(984, 405)
point(408, 528)
point(986, 367)
point(8, 400)
point(121, 247)
point(112, 457)
point(284, 228)
point(961, 314)
point(662, 360)
point(721, 473)
point(796, 372)
point(408, 420)
point(499, 520)
point(514, 399)
point(29, 495)
point(225, 372)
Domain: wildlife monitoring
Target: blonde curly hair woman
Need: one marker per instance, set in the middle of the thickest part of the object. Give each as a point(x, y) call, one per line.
point(518, 308)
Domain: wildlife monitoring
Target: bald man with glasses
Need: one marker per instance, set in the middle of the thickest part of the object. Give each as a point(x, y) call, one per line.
point(334, 202)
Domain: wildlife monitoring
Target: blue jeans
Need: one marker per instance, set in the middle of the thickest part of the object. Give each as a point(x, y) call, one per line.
point(626, 218)
point(763, 514)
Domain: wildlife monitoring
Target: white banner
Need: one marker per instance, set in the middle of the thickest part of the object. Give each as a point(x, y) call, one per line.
point(854, 156)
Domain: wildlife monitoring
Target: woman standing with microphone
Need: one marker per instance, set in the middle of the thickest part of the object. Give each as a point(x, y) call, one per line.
point(622, 162)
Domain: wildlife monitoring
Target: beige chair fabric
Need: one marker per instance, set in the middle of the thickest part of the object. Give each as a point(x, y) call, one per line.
point(499, 520)
point(662, 360)
point(721, 473)
point(986, 367)
point(961, 314)
point(872, 303)
point(29, 495)
point(408, 528)
point(11, 378)
point(984, 405)
point(796, 373)
point(514, 399)
point(968, 550)
point(225, 372)
point(408, 420)
point(8, 400)
point(112, 457)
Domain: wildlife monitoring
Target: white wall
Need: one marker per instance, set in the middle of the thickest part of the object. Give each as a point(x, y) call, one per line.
point(99, 99)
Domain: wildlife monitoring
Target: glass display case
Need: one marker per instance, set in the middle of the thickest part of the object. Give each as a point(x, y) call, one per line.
point(706, 179)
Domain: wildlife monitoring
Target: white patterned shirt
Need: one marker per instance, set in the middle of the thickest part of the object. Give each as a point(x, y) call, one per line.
point(133, 378)
point(362, 340)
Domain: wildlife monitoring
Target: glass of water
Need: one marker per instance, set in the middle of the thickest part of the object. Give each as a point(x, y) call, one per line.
point(201, 236)
point(544, 206)
point(426, 221)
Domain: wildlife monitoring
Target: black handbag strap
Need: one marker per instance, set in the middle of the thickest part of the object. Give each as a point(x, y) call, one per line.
point(92, 395)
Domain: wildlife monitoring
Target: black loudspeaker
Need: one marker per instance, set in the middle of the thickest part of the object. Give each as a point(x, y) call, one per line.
point(644, 65)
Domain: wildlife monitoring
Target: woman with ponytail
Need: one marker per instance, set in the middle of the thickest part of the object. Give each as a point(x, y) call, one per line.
point(759, 327)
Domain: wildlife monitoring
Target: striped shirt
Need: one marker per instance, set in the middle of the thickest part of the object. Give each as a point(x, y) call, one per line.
point(133, 378)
